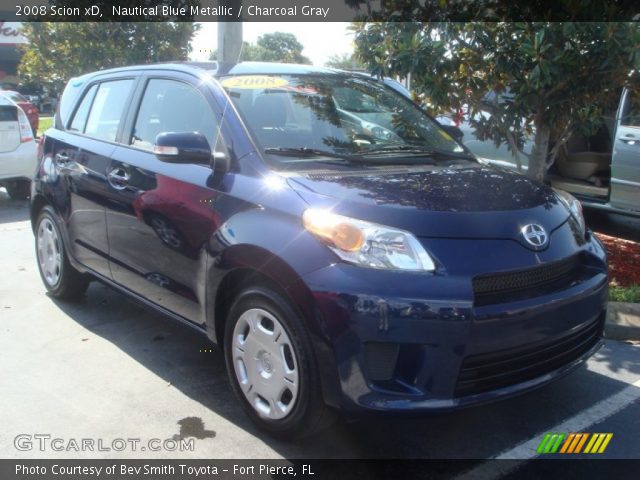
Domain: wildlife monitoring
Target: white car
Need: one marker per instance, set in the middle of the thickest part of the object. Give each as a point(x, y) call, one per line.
point(17, 150)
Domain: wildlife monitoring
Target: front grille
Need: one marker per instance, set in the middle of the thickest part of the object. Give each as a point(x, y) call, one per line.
point(510, 286)
point(485, 372)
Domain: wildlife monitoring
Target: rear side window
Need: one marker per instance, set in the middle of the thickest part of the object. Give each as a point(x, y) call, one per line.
point(80, 118)
point(8, 113)
point(172, 106)
point(106, 110)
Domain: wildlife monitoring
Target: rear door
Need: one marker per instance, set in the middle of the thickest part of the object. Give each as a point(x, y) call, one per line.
point(625, 166)
point(81, 155)
point(9, 128)
point(166, 212)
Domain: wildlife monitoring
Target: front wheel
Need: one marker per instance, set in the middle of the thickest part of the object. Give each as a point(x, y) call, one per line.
point(59, 277)
point(271, 365)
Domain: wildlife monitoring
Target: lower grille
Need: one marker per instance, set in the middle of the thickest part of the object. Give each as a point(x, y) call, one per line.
point(485, 372)
point(381, 359)
point(509, 286)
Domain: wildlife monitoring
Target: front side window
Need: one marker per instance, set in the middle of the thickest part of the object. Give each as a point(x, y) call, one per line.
point(340, 115)
point(107, 108)
point(631, 112)
point(172, 106)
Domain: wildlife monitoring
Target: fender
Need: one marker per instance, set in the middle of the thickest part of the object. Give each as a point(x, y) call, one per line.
point(240, 265)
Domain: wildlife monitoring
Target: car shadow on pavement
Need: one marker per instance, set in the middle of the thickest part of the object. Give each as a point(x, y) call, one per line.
point(190, 363)
point(12, 210)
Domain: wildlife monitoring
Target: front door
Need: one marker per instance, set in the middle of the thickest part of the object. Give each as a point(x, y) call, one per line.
point(625, 165)
point(163, 214)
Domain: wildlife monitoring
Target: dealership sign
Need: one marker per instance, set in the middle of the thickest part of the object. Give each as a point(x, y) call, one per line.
point(10, 33)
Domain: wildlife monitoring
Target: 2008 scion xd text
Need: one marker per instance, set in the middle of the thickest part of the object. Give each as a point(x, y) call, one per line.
point(343, 249)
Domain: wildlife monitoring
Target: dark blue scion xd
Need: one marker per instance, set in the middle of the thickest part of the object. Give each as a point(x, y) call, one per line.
point(344, 250)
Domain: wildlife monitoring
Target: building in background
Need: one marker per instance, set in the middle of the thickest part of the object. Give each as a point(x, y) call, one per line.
point(10, 39)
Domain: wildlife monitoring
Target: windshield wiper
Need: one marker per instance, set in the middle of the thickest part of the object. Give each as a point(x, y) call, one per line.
point(430, 152)
point(310, 152)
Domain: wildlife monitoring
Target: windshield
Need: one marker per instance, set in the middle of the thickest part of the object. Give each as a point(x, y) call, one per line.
point(343, 116)
point(14, 96)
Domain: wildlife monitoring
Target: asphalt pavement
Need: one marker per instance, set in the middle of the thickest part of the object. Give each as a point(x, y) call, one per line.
point(107, 369)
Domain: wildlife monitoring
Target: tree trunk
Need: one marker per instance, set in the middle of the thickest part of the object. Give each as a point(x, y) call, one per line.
point(538, 158)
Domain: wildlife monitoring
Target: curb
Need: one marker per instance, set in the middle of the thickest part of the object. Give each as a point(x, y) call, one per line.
point(623, 321)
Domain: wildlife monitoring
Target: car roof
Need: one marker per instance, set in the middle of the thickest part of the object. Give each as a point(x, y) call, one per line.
point(221, 69)
point(252, 68)
point(4, 100)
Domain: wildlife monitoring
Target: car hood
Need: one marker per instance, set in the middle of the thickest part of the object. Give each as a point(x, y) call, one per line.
point(469, 201)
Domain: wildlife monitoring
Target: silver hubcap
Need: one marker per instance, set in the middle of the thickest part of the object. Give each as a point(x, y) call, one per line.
point(49, 252)
point(265, 364)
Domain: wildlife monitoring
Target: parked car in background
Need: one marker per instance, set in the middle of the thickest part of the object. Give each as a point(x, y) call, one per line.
point(17, 150)
point(29, 108)
point(601, 170)
point(340, 262)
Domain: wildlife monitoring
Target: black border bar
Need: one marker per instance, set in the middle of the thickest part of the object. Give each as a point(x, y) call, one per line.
point(313, 469)
point(318, 10)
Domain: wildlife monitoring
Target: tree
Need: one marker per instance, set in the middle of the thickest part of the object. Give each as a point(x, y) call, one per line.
point(282, 47)
point(345, 61)
point(279, 47)
point(544, 79)
point(59, 51)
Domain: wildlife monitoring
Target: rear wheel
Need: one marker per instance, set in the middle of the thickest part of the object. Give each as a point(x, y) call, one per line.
point(59, 277)
point(271, 365)
point(19, 189)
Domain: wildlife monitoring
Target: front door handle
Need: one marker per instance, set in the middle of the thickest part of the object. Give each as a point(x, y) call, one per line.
point(62, 158)
point(629, 139)
point(118, 177)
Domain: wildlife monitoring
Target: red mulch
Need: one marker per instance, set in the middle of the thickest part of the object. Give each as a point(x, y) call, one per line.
point(624, 260)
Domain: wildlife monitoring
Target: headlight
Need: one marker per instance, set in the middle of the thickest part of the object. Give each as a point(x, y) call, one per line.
point(368, 244)
point(574, 207)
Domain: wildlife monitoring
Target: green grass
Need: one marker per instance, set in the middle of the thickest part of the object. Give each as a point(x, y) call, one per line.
point(625, 294)
point(44, 124)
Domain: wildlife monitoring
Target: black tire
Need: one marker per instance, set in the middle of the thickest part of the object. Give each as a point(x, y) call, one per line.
point(309, 413)
point(19, 189)
point(67, 282)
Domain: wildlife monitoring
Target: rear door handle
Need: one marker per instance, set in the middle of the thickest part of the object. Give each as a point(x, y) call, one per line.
point(118, 177)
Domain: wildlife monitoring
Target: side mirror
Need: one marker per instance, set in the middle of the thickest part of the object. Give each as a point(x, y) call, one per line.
point(183, 147)
point(454, 131)
point(221, 163)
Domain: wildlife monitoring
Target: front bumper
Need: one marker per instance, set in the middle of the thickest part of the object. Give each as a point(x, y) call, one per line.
point(412, 342)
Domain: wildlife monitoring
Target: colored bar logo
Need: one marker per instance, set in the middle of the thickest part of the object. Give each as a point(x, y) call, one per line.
point(574, 443)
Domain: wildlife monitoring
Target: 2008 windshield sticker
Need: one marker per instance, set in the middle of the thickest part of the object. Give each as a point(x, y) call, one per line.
point(253, 82)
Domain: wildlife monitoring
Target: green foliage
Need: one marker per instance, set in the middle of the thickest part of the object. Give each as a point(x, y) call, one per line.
point(44, 124)
point(551, 79)
point(279, 47)
point(624, 294)
point(59, 51)
point(345, 61)
point(282, 47)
